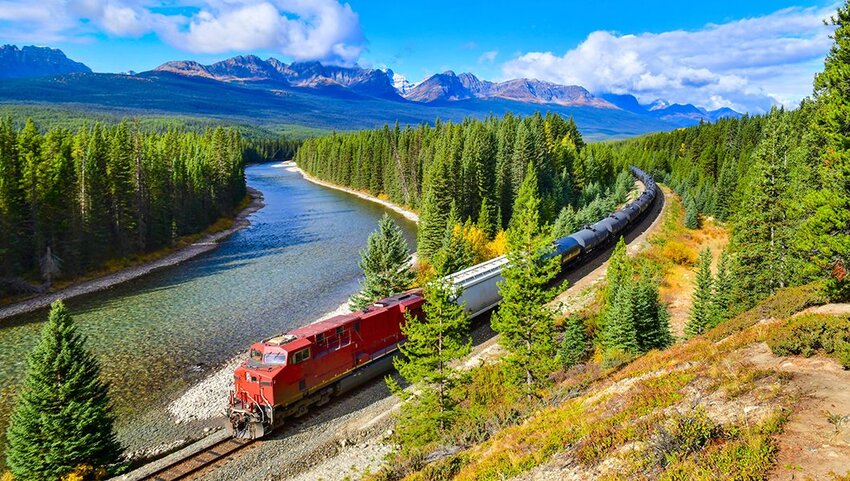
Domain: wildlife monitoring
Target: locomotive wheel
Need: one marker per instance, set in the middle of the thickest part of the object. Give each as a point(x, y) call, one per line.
point(324, 399)
point(302, 410)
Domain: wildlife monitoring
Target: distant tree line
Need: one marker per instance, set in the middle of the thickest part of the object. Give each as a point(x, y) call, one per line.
point(475, 166)
point(268, 150)
point(71, 200)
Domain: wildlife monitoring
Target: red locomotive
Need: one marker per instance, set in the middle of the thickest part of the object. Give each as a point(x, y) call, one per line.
point(286, 374)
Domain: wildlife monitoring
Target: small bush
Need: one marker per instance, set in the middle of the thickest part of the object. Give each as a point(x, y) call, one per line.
point(809, 334)
point(685, 434)
point(614, 358)
point(679, 253)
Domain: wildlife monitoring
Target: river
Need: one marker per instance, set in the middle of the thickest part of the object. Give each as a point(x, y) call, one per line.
point(156, 335)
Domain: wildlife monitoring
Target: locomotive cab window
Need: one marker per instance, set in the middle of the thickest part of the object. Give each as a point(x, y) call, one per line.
point(256, 355)
point(301, 356)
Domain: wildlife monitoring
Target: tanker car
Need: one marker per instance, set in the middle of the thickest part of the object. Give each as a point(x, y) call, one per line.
point(286, 374)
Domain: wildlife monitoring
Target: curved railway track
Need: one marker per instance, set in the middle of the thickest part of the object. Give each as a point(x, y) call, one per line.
point(191, 463)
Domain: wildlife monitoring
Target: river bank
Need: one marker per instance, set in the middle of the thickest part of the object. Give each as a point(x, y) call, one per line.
point(408, 214)
point(203, 245)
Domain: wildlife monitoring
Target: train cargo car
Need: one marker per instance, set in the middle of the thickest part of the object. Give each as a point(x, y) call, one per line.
point(478, 285)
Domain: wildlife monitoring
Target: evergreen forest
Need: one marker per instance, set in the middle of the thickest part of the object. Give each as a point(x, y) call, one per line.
point(72, 200)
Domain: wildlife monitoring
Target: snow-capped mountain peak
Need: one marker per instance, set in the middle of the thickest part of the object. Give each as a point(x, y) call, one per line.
point(400, 82)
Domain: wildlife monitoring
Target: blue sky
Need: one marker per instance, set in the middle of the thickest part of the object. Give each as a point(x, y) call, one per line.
point(744, 54)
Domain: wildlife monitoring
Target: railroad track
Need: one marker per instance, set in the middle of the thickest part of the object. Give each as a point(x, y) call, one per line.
point(192, 463)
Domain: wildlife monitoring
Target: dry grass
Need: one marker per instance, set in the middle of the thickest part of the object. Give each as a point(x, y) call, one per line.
point(675, 248)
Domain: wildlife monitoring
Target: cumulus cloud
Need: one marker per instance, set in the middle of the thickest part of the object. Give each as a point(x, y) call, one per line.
point(303, 29)
point(748, 64)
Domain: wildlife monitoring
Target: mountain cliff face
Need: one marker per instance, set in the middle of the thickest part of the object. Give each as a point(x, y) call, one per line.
point(448, 87)
point(32, 61)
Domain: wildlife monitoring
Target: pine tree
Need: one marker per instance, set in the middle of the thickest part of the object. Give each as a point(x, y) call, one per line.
point(575, 344)
point(700, 318)
point(524, 322)
point(762, 231)
point(618, 331)
point(62, 419)
point(436, 203)
point(721, 304)
point(433, 341)
point(825, 235)
point(386, 264)
point(566, 223)
point(652, 319)
point(691, 213)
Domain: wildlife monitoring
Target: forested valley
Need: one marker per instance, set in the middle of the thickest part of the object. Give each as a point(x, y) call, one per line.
point(72, 200)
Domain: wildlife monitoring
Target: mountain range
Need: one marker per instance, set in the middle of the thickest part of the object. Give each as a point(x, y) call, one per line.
point(325, 96)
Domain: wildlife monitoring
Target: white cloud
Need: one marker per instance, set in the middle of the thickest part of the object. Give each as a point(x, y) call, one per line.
point(303, 29)
point(748, 64)
point(488, 56)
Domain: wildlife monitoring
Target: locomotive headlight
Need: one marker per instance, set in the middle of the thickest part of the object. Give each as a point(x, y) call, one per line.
point(247, 376)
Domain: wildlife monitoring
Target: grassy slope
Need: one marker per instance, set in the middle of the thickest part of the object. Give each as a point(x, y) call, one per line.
point(272, 108)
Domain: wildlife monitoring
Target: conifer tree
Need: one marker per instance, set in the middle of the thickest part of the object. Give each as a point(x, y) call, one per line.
point(524, 322)
point(386, 264)
point(691, 213)
point(566, 223)
point(63, 418)
point(433, 341)
point(700, 318)
point(825, 235)
point(762, 231)
point(652, 319)
point(723, 290)
point(618, 330)
point(436, 203)
point(574, 346)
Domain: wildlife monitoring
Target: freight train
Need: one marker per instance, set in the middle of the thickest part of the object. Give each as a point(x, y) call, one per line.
point(286, 374)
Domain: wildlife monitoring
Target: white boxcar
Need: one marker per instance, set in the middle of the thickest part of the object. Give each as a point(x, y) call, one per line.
point(479, 291)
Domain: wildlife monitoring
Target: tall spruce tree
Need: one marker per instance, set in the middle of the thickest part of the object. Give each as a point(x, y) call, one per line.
point(721, 303)
point(825, 235)
point(524, 322)
point(691, 213)
point(63, 418)
point(575, 344)
point(700, 318)
point(618, 331)
point(436, 204)
point(433, 341)
point(652, 319)
point(762, 232)
point(386, 264)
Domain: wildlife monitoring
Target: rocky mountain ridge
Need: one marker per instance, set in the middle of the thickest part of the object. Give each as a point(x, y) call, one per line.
point(32, 61)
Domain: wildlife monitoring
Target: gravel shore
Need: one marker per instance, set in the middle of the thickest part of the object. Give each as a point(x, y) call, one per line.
point(409, 214)
point(203, 245)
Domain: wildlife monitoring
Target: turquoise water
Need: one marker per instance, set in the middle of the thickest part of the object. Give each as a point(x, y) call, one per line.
point(154, 336)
